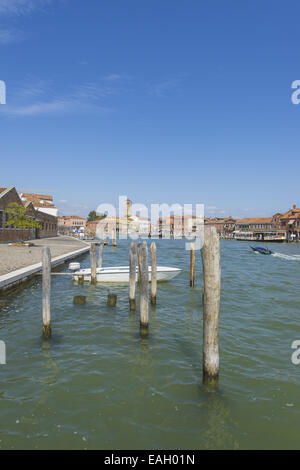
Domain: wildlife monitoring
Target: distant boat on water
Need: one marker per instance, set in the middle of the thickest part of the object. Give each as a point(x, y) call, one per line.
point(261, 250)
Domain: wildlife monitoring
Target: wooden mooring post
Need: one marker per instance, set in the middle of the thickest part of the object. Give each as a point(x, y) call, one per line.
point(144, 285)
point(211, 305)
point(46, 287)
point(139, 253)
point(93, 261)
point(192, 264)
point(100, 255)
point(113, 238)
point(132, 275)
point(153, 273)
point(111, 300)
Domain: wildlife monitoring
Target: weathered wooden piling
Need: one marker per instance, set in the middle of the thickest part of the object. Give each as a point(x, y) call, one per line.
point(139, 253)
point(153, 273)
point(2, 353)
point(132, 275)
point(192, 264)
point(79, 299)
point(81, 279)
point(211, 305)
point(113, 238)
point(144, 285)
point(46, 287)
point(100, 254)
point(93, 261)
point(111, 300)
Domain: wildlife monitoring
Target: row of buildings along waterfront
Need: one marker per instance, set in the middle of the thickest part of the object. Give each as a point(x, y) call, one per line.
point(279, 227)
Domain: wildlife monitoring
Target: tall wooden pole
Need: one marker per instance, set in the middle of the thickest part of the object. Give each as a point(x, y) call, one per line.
point(211, 305)
point(2, 353)
point(144, 285)
point(46, 283)
point(153, 273)
point(113, 238)
point(93, 261)
point(139, 254)
point(192, 264)
point(132, 275)
point(100, 254)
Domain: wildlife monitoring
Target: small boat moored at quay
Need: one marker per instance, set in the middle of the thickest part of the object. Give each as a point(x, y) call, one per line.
point(121, 274)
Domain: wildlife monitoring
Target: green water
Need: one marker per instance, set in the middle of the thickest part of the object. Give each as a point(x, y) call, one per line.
point(98, 385)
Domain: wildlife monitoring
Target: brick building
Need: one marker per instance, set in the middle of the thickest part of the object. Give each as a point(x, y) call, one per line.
point(48, 222)
point(67, 224)
point(224, 225)
point(41, 202)
point(178, 226)
point(289, 222)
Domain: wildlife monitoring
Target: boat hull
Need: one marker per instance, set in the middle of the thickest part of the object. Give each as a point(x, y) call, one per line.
point(120, 274)
point(262, 251)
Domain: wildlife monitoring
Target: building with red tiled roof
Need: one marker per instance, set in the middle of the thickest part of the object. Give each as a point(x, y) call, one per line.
point(290, 222)
point(178, 225)
point(224, 225)
point(70, 223)
point(255, 222)
point(41, 202)
point(48, 222)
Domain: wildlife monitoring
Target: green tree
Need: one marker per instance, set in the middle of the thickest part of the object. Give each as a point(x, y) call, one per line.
point(19, 218)
point(93, 215)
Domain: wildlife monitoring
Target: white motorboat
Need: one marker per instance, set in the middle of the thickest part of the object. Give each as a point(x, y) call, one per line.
point(121, 274)
point(74, 266)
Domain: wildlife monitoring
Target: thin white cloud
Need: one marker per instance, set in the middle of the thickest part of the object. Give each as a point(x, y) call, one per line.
point(53, 108)
point(9, 8)
point(8, 36)
point(21, 7)
point(40, 99)
point(162, 88)
point(112, 77)
point(92, 91)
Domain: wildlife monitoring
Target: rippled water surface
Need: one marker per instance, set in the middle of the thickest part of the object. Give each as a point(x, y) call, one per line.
point(98, 385)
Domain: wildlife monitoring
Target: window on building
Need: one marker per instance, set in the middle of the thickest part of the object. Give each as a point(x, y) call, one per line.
point(1, 219)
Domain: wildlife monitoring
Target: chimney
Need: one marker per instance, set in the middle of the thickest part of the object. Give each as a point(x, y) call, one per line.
point(294, 206)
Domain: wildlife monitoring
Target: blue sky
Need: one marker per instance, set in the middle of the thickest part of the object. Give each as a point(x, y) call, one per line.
point(161, 100)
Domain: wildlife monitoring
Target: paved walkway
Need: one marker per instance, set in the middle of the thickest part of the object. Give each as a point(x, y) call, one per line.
point(14, 257)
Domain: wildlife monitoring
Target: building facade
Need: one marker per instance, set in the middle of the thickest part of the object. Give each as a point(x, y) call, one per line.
point(71, 223)
point(290, 223)
point(225, 226)
point(47, 221)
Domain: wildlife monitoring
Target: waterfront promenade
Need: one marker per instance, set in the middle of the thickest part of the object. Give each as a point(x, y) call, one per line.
point(19, 262)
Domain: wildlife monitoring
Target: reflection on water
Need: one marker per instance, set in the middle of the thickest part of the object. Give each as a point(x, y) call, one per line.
point(98, 384)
